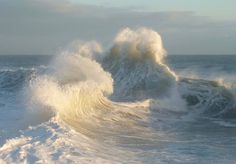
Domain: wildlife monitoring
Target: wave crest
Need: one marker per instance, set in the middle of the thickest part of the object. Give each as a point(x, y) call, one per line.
point(141, 44)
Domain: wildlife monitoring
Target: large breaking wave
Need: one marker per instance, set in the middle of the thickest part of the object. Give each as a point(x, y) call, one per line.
point(118, 95)
point(89, 82)
point(80, 91)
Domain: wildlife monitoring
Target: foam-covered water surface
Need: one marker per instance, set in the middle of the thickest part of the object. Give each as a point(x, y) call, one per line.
point(130, 103)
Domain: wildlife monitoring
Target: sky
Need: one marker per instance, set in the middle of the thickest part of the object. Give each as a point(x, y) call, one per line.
point(218, 9)
point(186, 27)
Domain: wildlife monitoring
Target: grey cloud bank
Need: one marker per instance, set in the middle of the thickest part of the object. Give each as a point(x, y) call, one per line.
point(43, 27)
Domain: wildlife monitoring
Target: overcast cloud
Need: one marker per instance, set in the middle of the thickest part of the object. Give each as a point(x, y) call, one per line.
point(45, 26)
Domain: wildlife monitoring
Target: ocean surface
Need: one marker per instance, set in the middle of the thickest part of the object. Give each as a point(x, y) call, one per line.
point(128, 104)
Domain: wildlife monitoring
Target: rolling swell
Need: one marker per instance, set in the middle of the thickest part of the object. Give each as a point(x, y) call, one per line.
point(208, 97)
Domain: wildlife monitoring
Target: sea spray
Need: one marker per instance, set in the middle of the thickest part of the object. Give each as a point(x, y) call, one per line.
point(75, 82)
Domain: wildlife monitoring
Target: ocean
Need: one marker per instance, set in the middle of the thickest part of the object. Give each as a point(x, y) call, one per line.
point(128, 104)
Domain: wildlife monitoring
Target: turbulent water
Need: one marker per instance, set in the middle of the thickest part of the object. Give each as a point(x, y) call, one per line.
point(129, 103)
